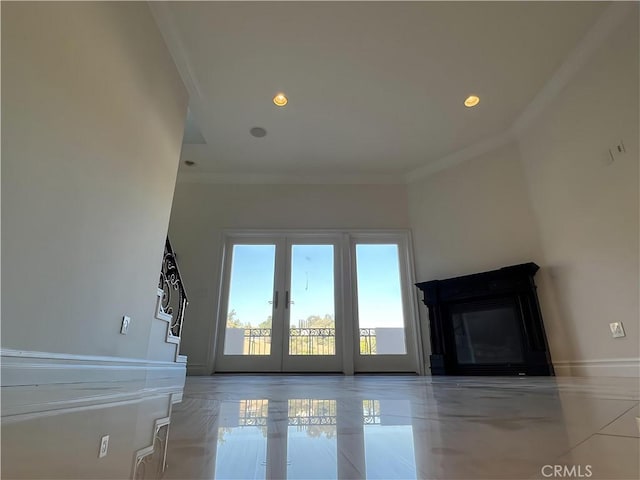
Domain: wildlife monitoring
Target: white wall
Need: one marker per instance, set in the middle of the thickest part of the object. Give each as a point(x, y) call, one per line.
point(473, 217)
point(587, 211)
point(92, 117)
point(470, 218)
point(201, 212)
point(551, 198)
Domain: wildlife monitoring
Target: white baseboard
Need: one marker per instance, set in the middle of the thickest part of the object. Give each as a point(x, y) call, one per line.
point(615, 367)
point(37, 382)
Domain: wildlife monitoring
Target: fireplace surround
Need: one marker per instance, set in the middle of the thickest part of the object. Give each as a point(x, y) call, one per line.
point(487, 323)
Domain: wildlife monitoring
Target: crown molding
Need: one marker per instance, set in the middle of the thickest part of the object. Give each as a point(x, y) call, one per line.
point(461, 156)
point(162, 15)
point(293, 179)
point(608, 21)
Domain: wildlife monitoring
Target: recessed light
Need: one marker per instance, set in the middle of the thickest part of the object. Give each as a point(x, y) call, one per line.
point(280, 100)
point(258, 132)
point(189, 163)
point(472, 101)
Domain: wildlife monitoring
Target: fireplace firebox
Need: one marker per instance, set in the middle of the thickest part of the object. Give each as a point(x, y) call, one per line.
point(487, 323)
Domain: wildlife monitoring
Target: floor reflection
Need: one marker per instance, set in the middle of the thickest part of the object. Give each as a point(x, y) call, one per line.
point(388, 439)
point(256, 439)
point(66, 443)
point(305, 427)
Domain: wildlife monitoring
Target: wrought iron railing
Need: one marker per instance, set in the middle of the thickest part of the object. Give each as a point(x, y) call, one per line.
point(312, 341)
point(368, 341)
point(303, 341)
point(174, 297)
point(257, 341)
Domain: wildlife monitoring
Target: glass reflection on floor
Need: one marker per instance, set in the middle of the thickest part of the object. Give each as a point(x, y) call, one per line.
point(388, 439)
point(311, 439)
point(242, 440)
point(298, 439)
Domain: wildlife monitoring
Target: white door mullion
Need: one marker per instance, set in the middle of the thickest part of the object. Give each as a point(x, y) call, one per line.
point(290, 252)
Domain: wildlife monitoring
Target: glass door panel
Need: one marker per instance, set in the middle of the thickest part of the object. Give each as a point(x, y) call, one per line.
point(279, 311)
point(250, 306)
point(251, 312)
point(312, 325)
point(310, 306)
point(385, 333)
point(380, 311)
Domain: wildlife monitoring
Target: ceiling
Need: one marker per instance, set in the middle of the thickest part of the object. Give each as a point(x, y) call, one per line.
point(373, 87)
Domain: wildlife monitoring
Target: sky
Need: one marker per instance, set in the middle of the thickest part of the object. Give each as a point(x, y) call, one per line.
point(312, 283)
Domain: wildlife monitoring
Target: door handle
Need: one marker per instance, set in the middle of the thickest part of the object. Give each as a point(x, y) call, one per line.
point(274, 302)
point(287, 300)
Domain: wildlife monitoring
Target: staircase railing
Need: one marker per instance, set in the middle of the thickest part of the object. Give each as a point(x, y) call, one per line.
point(174, 297)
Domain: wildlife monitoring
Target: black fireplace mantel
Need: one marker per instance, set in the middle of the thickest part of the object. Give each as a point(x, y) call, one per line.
point(487, 323)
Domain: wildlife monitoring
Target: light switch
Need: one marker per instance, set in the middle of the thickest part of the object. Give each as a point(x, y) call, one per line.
point(125, 325)
point(104, 446)
point(617, 330)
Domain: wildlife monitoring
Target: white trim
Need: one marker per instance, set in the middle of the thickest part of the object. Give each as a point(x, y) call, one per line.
point(293, 179)
point(7, 353)
point(143, 452)
point(22, 368)
point(36, 383)
point(169, 337)
point(411, 360)
point(181, 359)
point(614, 367)
point(612, 17)
point(341, 239)
point(160, 315)
point(460, 156)
point(162, 15)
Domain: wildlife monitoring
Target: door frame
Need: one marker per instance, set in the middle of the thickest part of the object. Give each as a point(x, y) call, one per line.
point(240, 363)
point(413, 342)
point(279, 360)
point(307, 363)
point(344, 282)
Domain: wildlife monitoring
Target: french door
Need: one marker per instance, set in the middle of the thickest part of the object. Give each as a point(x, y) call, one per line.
point(321, 302)
point(281, 296)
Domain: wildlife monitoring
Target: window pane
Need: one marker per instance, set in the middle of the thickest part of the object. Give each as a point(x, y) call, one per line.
point(248, 329)
point(380, 312)
point(312, 328)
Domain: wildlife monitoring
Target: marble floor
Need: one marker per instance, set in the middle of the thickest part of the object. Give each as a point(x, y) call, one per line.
point(323, 427)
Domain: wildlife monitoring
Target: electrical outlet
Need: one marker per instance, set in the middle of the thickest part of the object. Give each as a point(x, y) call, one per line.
point(125, 325)
point(104, 446)
point(615, 152)
point(617, 330)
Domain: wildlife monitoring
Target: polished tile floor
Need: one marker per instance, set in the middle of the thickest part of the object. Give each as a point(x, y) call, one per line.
point(395, 427)
point(323, 427)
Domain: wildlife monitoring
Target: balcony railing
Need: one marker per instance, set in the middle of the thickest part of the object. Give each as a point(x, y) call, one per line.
point(174, 297)
point(312, 341)
point(302, 341)
point(368, 341)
